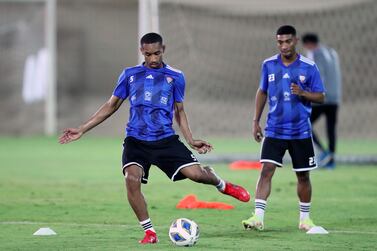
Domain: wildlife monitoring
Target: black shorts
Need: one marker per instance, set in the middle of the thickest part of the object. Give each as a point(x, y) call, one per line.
point(300, 150)
point(168, 154)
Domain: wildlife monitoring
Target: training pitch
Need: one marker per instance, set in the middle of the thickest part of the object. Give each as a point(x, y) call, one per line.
point(78, 191)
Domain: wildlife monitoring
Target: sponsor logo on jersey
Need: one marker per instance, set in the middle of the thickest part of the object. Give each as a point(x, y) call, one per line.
point(149, 76)
point(287, 96)
point(286, 75)
point(164, 100)
point(302, 78)
point(274, 98)
point(271, 77)
point(147, 96)
point(132, 78)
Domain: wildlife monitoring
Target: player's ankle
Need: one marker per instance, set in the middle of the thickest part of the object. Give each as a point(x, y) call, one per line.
point(147, 225)
point(221, 185)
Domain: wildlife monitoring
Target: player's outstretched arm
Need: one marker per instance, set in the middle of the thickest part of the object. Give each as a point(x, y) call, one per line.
point(198, 145)
point(316, 97)
point(260, 102)
point(105, 111)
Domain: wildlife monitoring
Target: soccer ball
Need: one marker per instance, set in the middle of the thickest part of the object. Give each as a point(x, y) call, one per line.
point(184, 232)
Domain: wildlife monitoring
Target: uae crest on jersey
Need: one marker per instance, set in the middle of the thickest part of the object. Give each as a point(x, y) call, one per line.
point(302, 78)
point(169, 79)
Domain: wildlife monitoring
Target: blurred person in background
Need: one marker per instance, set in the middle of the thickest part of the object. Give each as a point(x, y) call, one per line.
point(327, 60)
point(155, 91)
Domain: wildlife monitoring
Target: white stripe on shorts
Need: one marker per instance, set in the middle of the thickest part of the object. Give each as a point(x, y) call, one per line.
point(185, 165)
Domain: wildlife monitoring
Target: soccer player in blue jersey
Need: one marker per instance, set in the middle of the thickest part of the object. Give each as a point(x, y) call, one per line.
point(289, 82)
point(156, 93)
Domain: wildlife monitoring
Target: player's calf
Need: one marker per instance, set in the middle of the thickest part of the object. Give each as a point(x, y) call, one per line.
point(200, 174)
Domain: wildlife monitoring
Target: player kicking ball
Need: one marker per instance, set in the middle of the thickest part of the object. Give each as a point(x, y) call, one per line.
point(289, 82)
point(156, 93)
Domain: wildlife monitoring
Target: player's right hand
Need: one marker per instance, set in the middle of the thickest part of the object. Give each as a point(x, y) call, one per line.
point(201, 146)
point(257, 132)
point(69, 135)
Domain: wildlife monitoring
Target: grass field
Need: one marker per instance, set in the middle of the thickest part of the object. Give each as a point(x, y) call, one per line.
point(77, 190)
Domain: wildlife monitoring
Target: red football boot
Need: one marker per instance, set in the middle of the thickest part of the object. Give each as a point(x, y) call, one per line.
point(149, 238)
point(237, 192)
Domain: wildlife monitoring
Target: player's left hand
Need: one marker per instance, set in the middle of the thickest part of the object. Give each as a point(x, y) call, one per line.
point(295, 89)
point(201, 146)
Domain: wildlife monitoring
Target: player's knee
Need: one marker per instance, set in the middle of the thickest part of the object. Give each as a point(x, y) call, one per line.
point(208, 169)
point(196, 176)
point(133, 180)
point(199, 175)
point(267, 172)
point(303, 178)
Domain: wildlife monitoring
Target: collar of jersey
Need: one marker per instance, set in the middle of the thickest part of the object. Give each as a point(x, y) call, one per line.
point(151, 69)
point(289, 66)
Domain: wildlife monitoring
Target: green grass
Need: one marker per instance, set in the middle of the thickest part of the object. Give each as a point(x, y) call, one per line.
point(78, 191)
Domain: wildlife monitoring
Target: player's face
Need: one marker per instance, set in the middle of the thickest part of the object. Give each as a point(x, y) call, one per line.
point(153, 54)
point(287, 45)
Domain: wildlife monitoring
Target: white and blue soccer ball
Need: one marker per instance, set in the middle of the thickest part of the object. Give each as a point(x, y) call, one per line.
point(184, 232)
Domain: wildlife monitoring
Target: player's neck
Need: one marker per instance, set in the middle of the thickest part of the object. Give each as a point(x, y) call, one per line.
point(289, 60)
point(153, 68)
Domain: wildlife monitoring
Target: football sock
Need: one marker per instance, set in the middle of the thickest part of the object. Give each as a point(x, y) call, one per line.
point(260, 206)
point(304, 210)
point(147, 225)
point(221, 185)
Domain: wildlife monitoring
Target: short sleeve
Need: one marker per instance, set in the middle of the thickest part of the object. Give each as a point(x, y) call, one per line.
point(316, 84)
point(122, 89)
point(263, 83)
point(179, 88)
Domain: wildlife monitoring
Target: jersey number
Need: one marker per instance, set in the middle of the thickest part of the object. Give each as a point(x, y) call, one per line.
point(311, 161)
point(193, 157)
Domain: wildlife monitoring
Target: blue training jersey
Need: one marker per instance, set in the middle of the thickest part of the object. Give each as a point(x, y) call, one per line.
point(152, 94)
point(289, 114)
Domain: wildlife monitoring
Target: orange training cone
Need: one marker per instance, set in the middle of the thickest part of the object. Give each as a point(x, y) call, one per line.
point(245, 165)
point(190, 202)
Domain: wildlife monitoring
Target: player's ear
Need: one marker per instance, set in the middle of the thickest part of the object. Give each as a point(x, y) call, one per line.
point(163, 48)
point(142, 50)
